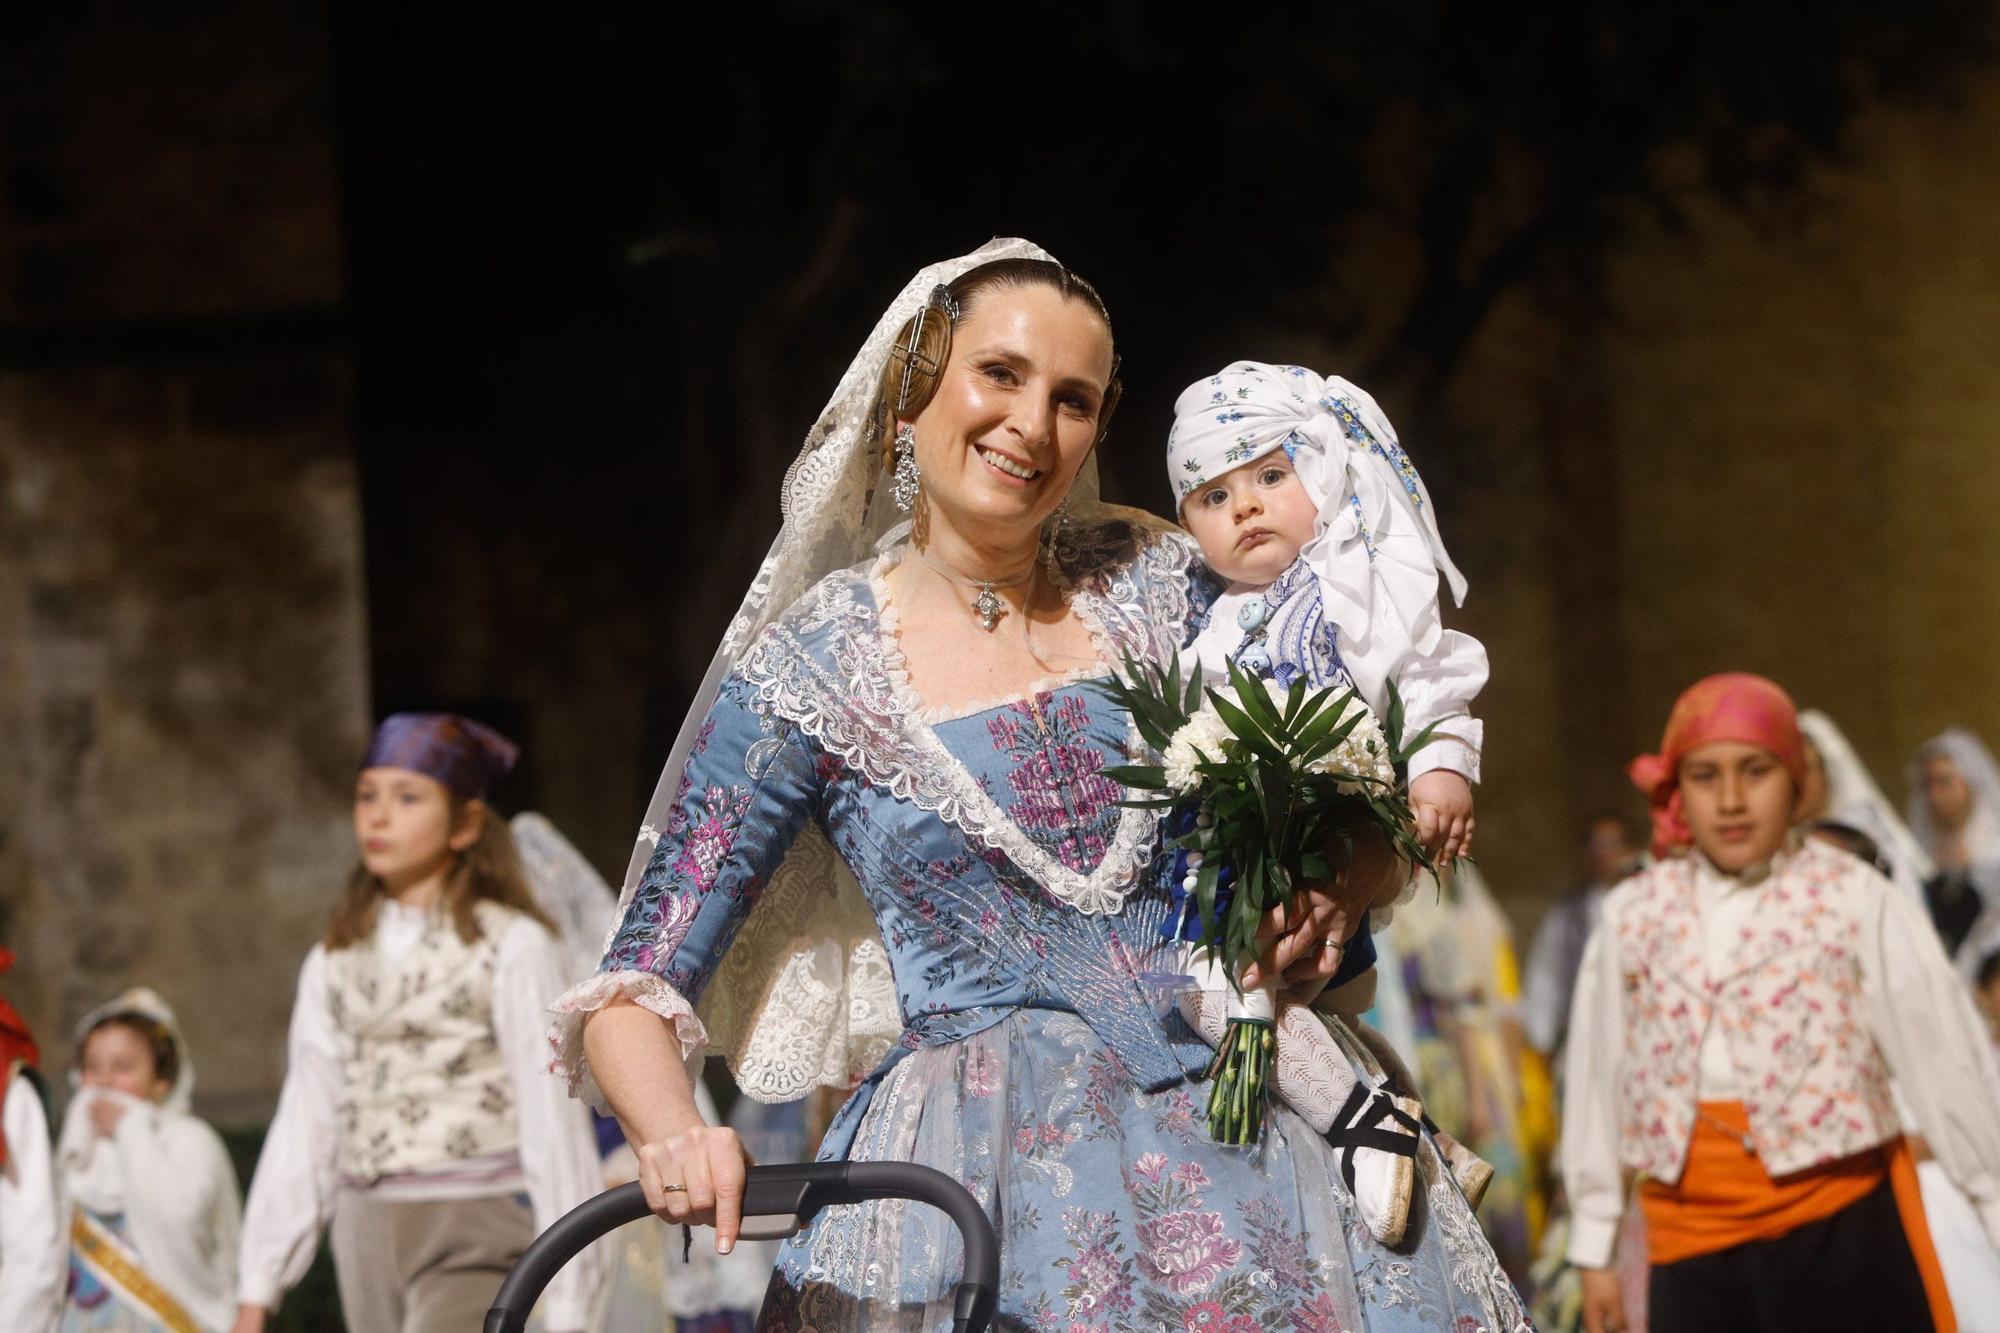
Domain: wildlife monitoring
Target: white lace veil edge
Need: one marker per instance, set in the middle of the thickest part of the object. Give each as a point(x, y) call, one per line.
point(1853, 798)
point(804, 996)
point(567, 889)
point(1976, 765)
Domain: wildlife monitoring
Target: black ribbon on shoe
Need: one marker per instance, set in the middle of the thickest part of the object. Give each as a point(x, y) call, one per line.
point(1355, 1127)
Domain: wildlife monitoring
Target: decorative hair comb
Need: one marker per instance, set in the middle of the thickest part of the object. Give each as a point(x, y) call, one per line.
point(915, 362)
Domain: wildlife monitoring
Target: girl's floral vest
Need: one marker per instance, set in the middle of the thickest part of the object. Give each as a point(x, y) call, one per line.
point(1789, 1001)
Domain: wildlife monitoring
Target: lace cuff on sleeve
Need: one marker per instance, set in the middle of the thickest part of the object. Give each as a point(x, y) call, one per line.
point(575, 1006)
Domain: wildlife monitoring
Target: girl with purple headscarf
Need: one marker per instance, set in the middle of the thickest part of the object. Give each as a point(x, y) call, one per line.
point(418, 1119)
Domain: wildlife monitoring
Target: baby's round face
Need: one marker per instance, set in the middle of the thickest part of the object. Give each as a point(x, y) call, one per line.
point(1252, 520)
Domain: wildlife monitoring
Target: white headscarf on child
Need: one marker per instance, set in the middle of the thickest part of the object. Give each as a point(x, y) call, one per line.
point(91, 1177)
point(173, 1186)
point(146, 1002)
point(1377, 552)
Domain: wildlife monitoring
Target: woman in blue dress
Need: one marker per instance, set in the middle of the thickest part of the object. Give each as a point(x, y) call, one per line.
point(884, 857)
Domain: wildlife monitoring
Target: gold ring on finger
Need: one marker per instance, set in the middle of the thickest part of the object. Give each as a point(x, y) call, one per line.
point(673, 1189)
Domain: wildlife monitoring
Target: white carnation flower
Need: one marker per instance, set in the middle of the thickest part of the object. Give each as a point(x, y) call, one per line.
point(1205, 738)
point(1364, 753)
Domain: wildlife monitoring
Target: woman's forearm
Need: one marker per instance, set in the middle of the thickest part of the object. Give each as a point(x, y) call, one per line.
point(636, 1059)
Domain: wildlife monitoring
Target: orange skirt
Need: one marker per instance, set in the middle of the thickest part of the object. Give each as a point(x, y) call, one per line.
point(1725, 1198)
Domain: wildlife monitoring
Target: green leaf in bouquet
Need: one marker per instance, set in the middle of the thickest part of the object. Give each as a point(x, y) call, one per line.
point(1280, 884)
point(1150, 730)
point(1169, 683)
point(1150, 802)
point(1295, 698)
point(1402, 755)
point(1245, 905)
point(1147, 777)
point(1250, 693)
point(1145, 712)
point(1312, 706)
point(1392, 718)
point(1315, 867)
point(1191, 697)
point(1204, 894)
point(1152, 696)
point(1329, 727)
point(1337, 723)
point(1245, 729)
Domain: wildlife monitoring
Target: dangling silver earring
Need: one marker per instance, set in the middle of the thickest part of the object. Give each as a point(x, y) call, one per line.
point(908, 479)
point(1057, 529)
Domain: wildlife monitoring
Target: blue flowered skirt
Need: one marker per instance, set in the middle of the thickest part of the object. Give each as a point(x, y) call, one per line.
point(1116, 1211)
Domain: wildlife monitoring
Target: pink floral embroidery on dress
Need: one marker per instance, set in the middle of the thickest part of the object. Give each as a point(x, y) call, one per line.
point(1182, 1246)
point(1208, 1317)
point(1100, 1283)
point(1060, 798)
point(1187, 1251)
point(711, 835)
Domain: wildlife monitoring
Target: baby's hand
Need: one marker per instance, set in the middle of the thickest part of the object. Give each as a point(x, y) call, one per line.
point(1442, 801)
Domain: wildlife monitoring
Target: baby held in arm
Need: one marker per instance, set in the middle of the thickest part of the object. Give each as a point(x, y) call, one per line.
point(1325, 560)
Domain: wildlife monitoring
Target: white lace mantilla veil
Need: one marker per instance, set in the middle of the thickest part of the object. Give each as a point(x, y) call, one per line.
point(804, 997)
point(1853, 798)
point(566, 888)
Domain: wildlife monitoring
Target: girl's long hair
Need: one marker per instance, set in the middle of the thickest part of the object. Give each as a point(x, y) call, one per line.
point(487, 871)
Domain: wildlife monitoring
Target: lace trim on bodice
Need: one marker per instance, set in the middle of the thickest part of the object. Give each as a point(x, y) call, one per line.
point(851, 695)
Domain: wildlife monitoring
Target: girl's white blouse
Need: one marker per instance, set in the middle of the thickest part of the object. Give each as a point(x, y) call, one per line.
point(291, 1199)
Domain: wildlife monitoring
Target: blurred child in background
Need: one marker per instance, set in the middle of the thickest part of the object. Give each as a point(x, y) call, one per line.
point(154, 1212)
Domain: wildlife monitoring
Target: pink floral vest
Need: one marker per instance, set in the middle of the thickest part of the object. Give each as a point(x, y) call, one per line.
point(1790, 1004)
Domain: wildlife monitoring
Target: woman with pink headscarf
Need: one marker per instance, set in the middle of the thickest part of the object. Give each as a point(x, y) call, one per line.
point(1742, 1007)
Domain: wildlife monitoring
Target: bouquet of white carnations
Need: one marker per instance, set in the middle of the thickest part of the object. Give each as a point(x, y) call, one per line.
point(1265, 780)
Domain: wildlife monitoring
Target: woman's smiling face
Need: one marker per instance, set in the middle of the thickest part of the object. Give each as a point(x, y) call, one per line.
point(1016, 411)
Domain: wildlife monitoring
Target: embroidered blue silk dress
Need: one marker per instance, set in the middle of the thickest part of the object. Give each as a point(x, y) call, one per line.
point(1041, 1062)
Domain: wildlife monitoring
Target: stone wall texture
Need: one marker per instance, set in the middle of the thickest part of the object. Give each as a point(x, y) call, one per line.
point(182, 638)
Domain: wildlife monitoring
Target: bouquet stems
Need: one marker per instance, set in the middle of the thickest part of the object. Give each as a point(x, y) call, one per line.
point(1240, 1074)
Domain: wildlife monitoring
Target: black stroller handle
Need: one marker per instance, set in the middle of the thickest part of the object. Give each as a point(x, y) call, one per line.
point(796, 1192)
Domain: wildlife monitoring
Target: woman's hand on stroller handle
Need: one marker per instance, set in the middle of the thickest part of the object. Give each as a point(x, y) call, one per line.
point(695, 1178)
